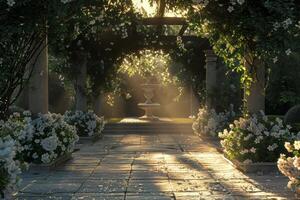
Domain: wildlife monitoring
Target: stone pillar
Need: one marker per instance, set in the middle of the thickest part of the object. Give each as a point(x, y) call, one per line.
point(255, 100)
point(80, 83)
point(97, 105)
point(211, 77)
point(38, 84)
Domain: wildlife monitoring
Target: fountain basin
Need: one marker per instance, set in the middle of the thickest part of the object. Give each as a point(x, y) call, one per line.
point(149, 108)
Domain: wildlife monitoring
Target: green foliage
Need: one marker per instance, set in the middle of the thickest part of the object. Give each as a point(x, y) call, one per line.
point(64, 22)
point(282, 90)
point(29, 21)
point(4, 179)
point(239, 32)
point(148, 64)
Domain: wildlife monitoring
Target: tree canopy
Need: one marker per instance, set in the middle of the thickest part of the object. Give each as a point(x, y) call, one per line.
point(239, 31)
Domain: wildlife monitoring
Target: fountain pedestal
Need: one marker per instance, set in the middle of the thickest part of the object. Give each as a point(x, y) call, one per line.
point(149, 106)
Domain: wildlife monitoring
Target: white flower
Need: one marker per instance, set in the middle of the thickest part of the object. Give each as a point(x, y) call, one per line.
point(27, 113)
point(288, 52)
point(11, 3)
point(296, 163)
point(35, 155)
point(230, 9)
point(297, 145)
point(45, 158)
point(288, 146)
point(8, 163)
point(286, 23)
point(66, 1)
point(244, 151)
point(92, 22)
point(272, 147)
point(253, 150)
point(241, 2)
point(6, 149)
point(258, 139)
point(275, 59)
point(50, 143)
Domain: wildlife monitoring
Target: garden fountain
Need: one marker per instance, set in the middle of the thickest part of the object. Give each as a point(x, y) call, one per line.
point(149, 106)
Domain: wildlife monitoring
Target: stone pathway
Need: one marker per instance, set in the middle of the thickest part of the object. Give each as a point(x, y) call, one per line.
point(149, 167)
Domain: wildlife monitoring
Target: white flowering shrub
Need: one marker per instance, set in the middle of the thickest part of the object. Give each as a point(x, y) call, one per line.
point(46, 138)
point(290, 166)
point(210, 123)
point(86, 123)
point(10, 168)
point(255, 138)
point(14, 126)
point(11, 157)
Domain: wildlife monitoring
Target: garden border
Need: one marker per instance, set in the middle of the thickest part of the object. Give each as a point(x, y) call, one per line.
point(58, 161)
point(260, 167)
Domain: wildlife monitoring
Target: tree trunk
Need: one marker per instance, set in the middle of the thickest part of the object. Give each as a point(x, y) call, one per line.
point(255, 100)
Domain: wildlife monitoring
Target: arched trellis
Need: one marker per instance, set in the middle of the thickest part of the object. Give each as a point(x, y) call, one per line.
point(135, 43)
point(38, 91)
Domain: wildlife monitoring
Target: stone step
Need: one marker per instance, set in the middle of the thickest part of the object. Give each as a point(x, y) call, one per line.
point(144, 132)
point(148, 125)
point(137, 128)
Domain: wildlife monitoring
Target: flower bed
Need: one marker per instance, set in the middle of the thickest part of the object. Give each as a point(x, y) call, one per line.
point(208, 122)
point(255, 139)
point(43, 139)
point(290, 166)
point(86, 123)
point(47, 138)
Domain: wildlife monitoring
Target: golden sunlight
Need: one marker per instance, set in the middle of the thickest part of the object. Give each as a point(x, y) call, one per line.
point(149, 10)
point(144, 7)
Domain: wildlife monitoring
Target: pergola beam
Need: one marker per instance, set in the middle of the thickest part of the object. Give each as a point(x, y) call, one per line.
point(182, 30)
point(164, 21)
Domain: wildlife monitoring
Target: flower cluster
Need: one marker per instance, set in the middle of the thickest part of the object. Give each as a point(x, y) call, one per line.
point(290, 166)
point(11, 159)
point(14, 126)
point(25, 140)
point(209, 122)
point(255, 138)
point(86, 123)
point(45, 138)
point(9, 167)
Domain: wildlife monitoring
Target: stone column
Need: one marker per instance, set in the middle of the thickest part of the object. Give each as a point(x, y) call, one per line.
point(211, 77)
point(255, 101)
point(80, 83)
point(38, 84)
point(97, 105)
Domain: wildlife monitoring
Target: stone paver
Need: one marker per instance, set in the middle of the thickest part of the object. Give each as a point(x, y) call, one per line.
point(148, 167)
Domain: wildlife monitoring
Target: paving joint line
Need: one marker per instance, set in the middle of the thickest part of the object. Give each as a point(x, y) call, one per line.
point(130, 174)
